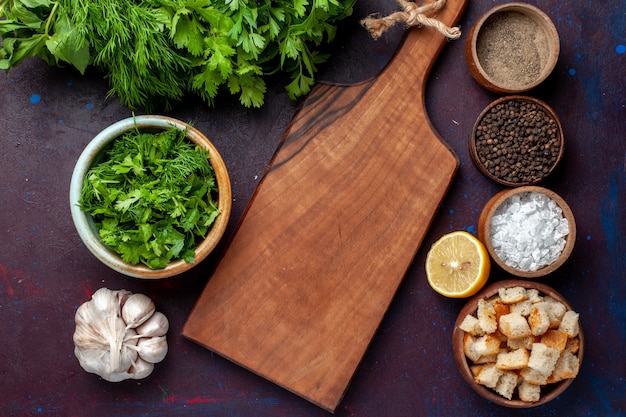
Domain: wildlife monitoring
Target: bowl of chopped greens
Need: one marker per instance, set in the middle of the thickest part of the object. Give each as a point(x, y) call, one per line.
point(150, 196)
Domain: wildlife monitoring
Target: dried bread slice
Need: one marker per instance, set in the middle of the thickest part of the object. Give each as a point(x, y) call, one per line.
point(468, 347)
point(529, 392)
point(515, 359)
point(488, 375)
point(500, 308)
point(539, 319)
point(512, 295)
point(567, 366)
point(520, 342)
point(556, 339)
point(487, 316)
point(573, 344)
point(533, 295)
point(477, 347)
point(487, 345)
point(569, 323)
point(476, 369)
point(507, 384)
point(471, 325)
point(486, 359)
point(543, 358)
point(514, 325)
point(556, 309)
point(534, 376)
point(523, 307)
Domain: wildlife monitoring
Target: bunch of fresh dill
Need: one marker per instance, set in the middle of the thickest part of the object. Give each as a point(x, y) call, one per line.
point(154, 52)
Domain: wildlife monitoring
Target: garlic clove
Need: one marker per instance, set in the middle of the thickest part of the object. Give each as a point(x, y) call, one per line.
point(85, 333)
point(137, 309)
point(105, 299)
point(152, 349)
point(141, 369)
point(130, 338)
point(156, 325)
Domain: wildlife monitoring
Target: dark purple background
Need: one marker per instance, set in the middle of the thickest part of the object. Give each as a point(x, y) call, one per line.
point(48, 115)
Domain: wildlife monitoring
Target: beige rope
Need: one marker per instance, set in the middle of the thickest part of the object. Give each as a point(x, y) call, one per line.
point(411, 15)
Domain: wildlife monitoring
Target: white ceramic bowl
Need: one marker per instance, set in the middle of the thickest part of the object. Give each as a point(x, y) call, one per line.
point(85, 225)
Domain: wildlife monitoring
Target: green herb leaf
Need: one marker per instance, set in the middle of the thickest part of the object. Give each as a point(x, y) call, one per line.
point(67, 45)
point(155, 52)
point(153, 197)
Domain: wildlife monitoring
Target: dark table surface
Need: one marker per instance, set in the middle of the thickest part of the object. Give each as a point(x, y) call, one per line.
point(48, 115)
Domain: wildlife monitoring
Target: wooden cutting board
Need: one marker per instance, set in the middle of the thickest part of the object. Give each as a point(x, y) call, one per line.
point(332, 229)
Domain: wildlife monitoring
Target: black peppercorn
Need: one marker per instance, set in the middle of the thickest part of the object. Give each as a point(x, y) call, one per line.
point(517, 141)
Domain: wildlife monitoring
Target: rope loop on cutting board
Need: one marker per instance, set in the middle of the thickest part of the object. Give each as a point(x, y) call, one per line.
point(411, 15)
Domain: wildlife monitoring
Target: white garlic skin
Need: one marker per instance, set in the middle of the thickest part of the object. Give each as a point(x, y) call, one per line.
point(109, 330)
point(157, 325)
point(136, 309)
point(141, 369)
point(152, 349)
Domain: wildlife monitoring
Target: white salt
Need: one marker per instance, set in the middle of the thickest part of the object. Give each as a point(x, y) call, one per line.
point(528, 231)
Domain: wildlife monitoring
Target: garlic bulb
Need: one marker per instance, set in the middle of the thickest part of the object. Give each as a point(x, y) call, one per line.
point(119, 335)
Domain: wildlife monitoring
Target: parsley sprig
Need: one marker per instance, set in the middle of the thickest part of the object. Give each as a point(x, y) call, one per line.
point(154, 52)
point(153, 197)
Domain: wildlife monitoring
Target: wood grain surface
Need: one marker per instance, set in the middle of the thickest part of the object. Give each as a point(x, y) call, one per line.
point(331, 229)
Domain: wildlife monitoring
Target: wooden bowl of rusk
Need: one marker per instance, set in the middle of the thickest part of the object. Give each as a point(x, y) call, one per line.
point(518, 343)
point(512, 48)
point(528, 231)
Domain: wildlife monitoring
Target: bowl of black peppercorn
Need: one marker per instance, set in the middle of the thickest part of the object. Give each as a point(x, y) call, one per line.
point(517, 141)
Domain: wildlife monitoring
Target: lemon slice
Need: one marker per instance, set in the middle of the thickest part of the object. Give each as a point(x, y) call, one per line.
point(457, 265)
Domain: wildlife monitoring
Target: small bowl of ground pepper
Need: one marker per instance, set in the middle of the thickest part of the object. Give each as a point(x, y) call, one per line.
point(528, 231)
point(516, 141)
point(512, 48)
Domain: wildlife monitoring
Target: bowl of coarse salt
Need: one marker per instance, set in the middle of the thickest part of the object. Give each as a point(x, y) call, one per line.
point(528, 231)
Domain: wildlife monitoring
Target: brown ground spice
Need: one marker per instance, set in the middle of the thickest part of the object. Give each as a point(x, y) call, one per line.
point(512, 49)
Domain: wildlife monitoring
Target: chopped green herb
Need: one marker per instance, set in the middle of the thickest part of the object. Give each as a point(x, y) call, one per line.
point(153, 197)
point(154, 52)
